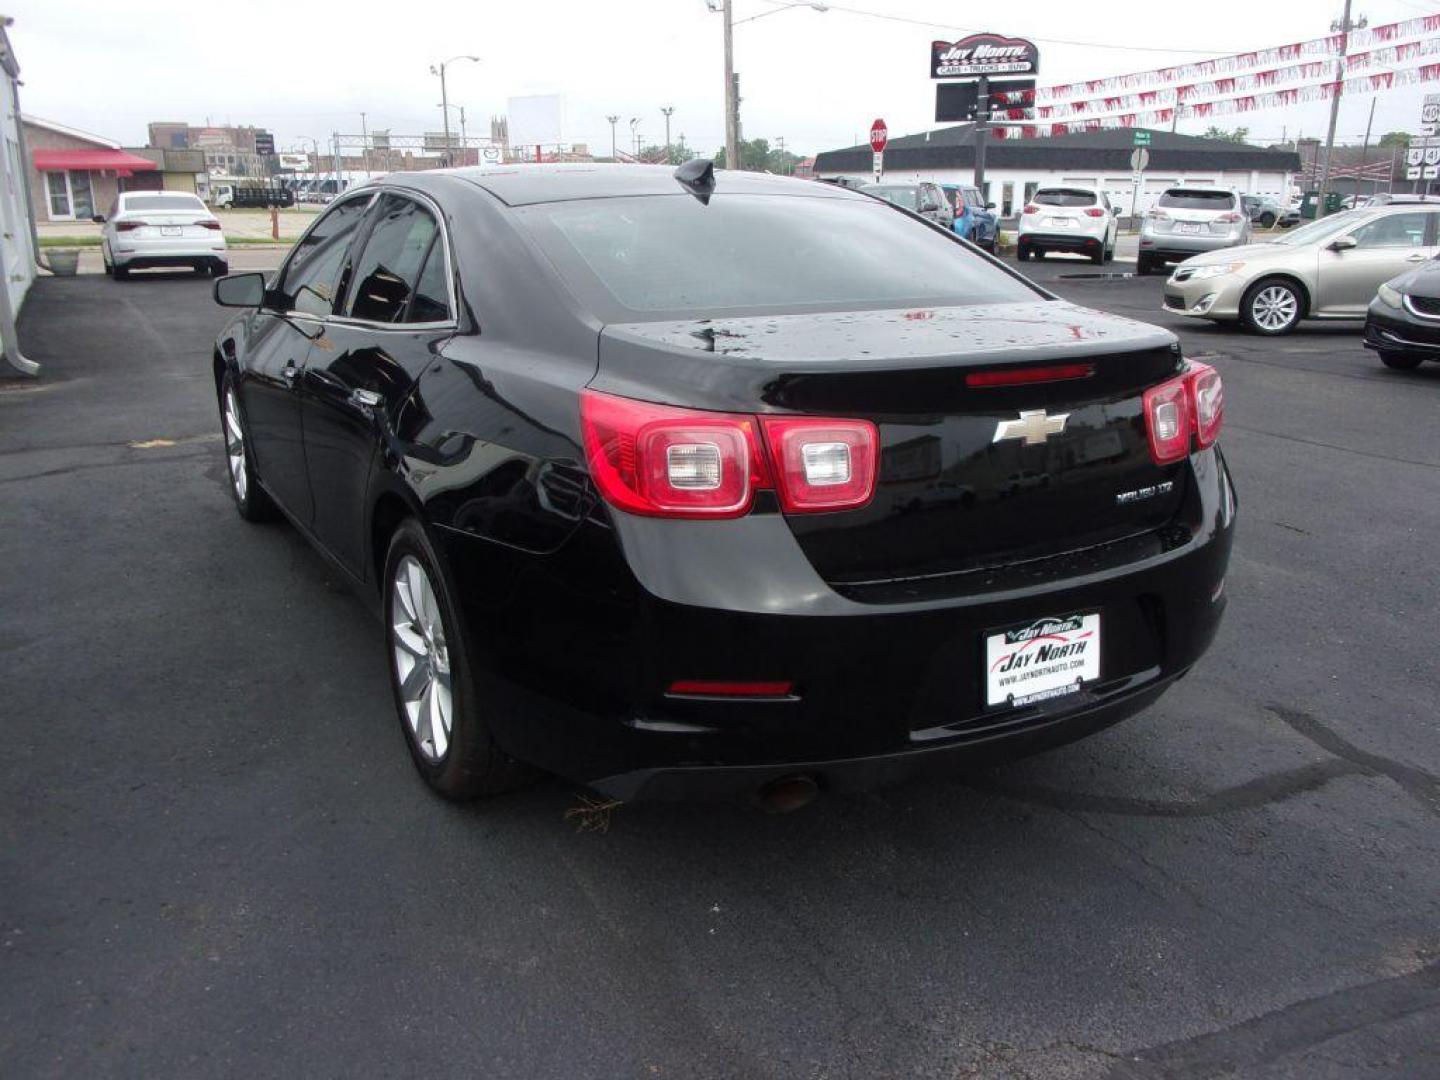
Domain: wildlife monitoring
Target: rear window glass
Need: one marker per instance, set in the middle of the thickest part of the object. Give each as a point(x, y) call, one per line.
point(163, 202)
point(670, 257)
point(908, 197)
point(1064, 197)
point(1180, 199)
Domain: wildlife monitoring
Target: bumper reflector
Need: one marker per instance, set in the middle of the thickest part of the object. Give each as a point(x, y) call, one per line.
point(721, 688)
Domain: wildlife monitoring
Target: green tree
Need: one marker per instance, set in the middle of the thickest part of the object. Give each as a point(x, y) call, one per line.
point(1395, 138)
point(1239, 135)
point(757, 155)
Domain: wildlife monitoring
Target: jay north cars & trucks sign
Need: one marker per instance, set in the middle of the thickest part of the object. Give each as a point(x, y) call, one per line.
point(983, 54)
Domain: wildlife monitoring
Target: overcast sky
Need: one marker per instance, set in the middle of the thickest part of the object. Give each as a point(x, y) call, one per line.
point(816, 79)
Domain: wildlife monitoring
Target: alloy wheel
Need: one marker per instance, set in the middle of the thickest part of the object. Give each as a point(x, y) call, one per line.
point(235, 445)
point(1274, 308)
point(422, 659)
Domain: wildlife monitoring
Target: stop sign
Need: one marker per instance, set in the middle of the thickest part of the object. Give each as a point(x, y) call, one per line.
point(879, 133)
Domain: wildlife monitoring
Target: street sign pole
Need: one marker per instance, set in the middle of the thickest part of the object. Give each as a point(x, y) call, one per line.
point(1139, 158)
point(879, 136)
point(982, 131)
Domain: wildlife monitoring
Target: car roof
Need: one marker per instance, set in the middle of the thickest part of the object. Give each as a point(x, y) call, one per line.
point(524, 184)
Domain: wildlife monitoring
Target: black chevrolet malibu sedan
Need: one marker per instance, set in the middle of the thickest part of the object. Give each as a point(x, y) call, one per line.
point(680, 483)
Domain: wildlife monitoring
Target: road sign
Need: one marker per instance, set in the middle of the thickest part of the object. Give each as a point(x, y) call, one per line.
point(879, 136)
point(1432, 155)
point(1430, 115)
point(1414, 155)
point(1412, 172)
point(1139, 158)
point(1431, 172)
point(1142, 138)
point(879, 164)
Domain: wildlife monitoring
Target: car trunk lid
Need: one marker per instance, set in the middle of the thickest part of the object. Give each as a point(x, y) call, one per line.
point(970, 476)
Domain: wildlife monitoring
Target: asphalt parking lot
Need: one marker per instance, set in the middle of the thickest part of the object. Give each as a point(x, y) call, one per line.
point(218, 859)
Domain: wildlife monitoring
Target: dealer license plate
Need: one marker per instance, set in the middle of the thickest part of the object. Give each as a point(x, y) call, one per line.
point(169, 230)
point(1191, 228)
point(1048, 658)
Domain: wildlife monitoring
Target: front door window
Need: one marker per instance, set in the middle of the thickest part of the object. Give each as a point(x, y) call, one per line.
point(82, 200)
point(58, 188)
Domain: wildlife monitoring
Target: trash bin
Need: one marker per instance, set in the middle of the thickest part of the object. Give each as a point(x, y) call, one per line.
point(1333, 203)
point(63, 262)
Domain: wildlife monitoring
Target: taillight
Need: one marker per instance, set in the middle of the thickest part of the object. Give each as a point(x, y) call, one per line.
point(822, 464)
point(1230, 218)
point(130, 226)
point(661, 461)
point(1094, 211)
point(1192, 403)
point(1207, 402)
point(1031, 208)
point(209, 223)
point(1157, 215)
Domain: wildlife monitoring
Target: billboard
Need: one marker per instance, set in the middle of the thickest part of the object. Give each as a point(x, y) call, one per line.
point(983, 54)
point(536, 120)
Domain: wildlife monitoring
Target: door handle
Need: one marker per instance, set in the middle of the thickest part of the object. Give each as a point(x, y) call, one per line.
point(365, 399)
point(1416, 258)
point(290, 373)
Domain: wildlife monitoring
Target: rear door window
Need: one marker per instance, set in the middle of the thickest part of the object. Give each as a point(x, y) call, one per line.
point(1181, 199)
point(1064, 197)
point(431, 302)
point(1393, 230)
point(389, 266)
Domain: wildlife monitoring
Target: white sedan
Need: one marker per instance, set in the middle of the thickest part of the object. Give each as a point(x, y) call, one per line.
point(161, 228)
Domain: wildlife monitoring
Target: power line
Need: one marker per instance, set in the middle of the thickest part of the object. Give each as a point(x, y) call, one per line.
point(885, 16)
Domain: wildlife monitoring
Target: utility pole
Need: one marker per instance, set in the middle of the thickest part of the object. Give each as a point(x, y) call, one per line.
point(780, 143)
point(982, 130)
point(365, 148)
point(464, 153)
point(445, 99)
point(667, 110)
point(335, 154)
point(1365, 152)
point(1343, 28)
point(635, 135)
point(732, 119)
point(613, 121)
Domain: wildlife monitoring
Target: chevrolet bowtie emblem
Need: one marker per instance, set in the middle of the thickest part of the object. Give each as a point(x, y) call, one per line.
point(1034, 426)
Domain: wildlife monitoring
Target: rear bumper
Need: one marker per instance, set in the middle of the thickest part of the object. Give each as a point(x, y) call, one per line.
point(580, 654)
point(1067, 241)
point(1173, 248)
point(184, 251)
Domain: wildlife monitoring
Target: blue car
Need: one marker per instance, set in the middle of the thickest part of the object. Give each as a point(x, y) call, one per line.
point(975, 219)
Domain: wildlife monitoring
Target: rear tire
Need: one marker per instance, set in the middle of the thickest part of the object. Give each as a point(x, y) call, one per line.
point(1143, 266)
point(436, 698)
point(1400, 361)
point(119, 273)
point(1267, 221)
point(219, 268)
point(1022, 253)
point(1272, 307)
point(1098, 258)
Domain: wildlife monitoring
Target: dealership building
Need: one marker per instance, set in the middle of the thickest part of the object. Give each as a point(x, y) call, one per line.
point(1014, 168)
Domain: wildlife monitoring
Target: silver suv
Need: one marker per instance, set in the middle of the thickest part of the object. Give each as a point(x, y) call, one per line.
point(1188, 220)
point(925, 198)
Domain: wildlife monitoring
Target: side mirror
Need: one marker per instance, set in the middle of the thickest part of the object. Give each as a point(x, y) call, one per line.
point(929, 208)
point(99, 219)
point(1343, 243)
point(989, 206)
point(240, 290)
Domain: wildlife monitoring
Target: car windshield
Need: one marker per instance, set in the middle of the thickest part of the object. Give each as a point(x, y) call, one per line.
point(671, 257)
point(1179, 199)
point(908, 197)
point(1064, 197)
point(163, 202)
point(1322, 229)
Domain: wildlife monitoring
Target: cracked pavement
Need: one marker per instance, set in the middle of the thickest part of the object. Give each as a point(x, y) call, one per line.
point(217, 859)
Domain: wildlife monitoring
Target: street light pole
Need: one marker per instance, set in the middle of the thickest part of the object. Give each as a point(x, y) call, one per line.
point(365, 148)
point(667, 110)
point(732, 126)
point(635, 135)
point(445, 98)
point(613, 121)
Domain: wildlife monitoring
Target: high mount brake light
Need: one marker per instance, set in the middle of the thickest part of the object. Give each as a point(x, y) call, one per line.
point(663, 461)
point(1024, 376)
point(1189, 404)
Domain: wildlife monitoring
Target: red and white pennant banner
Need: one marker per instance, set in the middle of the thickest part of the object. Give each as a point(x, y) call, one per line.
point(1262, 59)
point(1273, 99)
